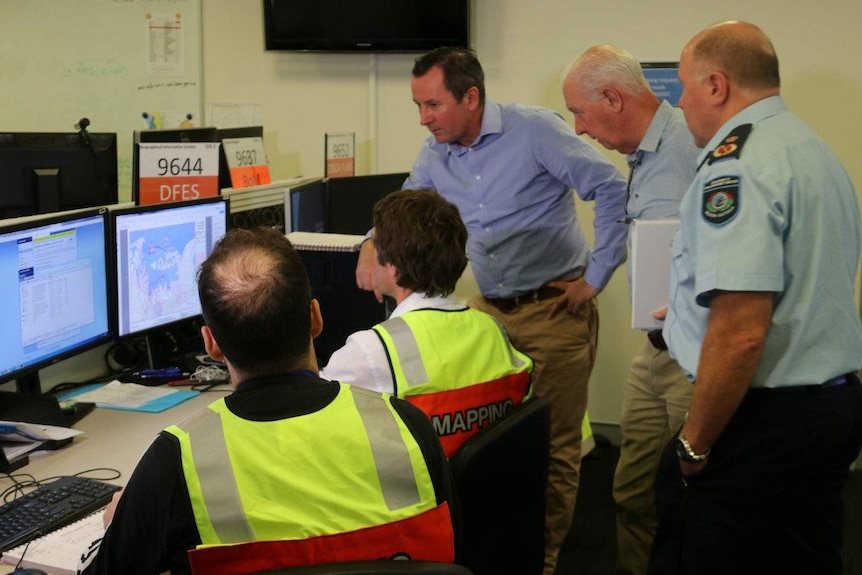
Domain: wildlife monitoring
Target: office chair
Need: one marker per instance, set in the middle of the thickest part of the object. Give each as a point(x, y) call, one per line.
point(501, 475)
point(374, 568)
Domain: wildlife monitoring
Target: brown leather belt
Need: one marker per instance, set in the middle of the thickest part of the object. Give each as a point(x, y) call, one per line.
point(510, 304)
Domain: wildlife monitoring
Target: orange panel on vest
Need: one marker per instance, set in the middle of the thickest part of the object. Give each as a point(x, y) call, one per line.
point(424, 537)
point(458, 414)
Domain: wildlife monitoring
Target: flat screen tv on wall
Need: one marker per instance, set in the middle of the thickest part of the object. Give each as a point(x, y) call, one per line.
point(365, 25)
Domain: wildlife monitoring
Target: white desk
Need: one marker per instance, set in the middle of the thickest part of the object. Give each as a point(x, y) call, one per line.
point(112, 438)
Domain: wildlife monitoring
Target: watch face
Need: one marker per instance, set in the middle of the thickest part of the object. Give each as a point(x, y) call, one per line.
point(680, 449)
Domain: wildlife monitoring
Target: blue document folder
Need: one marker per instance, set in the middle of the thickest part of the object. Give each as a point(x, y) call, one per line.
point(157, 405)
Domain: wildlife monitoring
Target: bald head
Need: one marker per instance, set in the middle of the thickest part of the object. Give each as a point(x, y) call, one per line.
point(723, 70)
point(741, 51)
point(255, 297)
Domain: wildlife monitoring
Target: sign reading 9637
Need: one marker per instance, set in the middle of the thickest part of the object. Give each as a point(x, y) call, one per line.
point(177, 172)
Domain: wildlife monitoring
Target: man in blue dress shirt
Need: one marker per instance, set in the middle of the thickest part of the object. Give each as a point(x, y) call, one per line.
point(762, 316)
point(611, 101)
point(510, 170)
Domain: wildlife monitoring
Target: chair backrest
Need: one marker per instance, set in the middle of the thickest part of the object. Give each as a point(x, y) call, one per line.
point(501, 475)
point(374, 568)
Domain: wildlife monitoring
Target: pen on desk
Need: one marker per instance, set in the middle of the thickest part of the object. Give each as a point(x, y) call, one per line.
point(183, 382)
point(164, 372)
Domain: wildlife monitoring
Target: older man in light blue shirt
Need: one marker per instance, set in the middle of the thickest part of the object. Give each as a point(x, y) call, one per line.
point(606, 91)
point(510, 170)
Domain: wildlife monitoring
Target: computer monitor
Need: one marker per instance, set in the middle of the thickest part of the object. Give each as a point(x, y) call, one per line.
point(53, 292)
point(166, 136)
point(306, 207)
point(224, 180)
point(351, 200)
point(157, 252)
point(43, 172)
point(261, 205)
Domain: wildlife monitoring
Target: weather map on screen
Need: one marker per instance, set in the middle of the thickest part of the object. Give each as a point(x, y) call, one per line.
point(162, 264)
point(158, 255)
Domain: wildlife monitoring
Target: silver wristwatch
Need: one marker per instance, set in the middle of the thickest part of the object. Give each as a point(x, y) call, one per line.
point(686, 453)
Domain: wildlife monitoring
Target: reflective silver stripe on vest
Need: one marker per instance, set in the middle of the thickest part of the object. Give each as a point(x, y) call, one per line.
point(218, 484)
point(516, 361)
point(410, 358)
point(408, 351)
point(391, 457)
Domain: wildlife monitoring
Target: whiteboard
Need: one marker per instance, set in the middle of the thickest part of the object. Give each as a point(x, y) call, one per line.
point(110, 61)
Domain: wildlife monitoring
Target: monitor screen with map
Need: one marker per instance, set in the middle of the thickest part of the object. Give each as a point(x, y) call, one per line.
point(158, 250)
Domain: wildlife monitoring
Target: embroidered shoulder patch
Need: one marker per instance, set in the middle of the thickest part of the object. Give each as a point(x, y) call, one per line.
point(731, 146)
point(720, 202)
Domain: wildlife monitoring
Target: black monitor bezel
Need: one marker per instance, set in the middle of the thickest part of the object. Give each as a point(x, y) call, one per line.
point(319, 182)
point(344, 195)
point(112, 241)
point(23, 223)
point(103, 146)
point(321, 30)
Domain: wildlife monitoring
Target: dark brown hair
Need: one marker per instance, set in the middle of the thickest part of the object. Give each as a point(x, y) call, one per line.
point(461, 70)
point(422, 235)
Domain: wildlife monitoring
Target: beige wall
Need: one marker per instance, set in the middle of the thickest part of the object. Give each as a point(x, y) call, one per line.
point(523, 47)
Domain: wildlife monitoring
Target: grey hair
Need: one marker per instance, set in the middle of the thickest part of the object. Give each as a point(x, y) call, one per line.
point(604, 65)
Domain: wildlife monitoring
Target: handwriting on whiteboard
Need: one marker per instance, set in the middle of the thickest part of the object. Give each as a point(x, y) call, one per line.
point(97, 67)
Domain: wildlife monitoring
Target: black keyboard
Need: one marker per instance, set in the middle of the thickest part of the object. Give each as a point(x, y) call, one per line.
point(51, 506)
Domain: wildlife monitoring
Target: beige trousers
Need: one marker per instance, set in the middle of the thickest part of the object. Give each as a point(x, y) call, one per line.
point(563, 350)
point(656, 400)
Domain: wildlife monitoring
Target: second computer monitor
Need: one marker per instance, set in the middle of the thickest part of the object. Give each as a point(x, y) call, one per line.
point(158, 250)
point(306, 207)
point(351, 200)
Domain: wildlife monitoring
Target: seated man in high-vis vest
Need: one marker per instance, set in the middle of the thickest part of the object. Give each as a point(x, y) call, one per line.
point(453, 362)
point(289, 469)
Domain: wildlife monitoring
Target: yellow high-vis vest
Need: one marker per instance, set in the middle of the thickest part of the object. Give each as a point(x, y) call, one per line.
point(458, 366)
point(348, 480)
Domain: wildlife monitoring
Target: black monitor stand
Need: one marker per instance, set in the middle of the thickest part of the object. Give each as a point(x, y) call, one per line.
point(160, 351)
point(48, 190)
point(29, 384)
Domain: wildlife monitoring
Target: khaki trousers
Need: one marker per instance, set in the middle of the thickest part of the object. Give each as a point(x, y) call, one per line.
point(656, 400)
point(563, 350)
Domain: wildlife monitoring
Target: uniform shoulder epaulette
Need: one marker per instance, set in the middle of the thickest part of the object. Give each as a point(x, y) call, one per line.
point(731, 146)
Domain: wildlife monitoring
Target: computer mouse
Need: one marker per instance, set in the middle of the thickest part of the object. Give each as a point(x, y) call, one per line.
point(28, 572)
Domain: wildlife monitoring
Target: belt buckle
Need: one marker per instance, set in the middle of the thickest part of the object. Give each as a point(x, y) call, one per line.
point(505, 304)
point(512, 304)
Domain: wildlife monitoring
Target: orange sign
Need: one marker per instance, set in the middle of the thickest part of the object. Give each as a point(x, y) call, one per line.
point(177, 172)
point(246, 161)
point(339, 155)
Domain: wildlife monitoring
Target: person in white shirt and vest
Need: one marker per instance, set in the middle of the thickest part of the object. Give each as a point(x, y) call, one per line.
point(289, 469)
point(453, 362)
